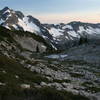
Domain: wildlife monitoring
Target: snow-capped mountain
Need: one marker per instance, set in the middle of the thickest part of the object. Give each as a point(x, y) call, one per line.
point(65, 33)
point(59, 36)
point(73, 29)
point(17, 20)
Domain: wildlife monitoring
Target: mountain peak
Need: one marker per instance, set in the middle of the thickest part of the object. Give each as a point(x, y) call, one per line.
point(5, 8)
point(19, 14)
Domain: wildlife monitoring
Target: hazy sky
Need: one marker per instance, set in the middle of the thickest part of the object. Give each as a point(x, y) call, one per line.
point(56, 11)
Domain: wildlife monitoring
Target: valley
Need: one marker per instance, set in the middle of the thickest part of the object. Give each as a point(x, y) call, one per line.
point(47, 61)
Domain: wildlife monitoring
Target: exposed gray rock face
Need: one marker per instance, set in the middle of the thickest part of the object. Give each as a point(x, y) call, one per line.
point(30, 44)
point(20, 43)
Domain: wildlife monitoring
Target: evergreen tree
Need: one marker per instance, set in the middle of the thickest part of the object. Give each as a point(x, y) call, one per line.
point(37, 49)
point(80, 41)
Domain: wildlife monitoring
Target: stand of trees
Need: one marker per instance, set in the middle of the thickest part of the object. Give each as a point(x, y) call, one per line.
point(37, 49)
point(83, 39)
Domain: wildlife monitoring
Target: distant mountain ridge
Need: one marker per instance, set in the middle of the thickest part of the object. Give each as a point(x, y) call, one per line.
point(60, 36)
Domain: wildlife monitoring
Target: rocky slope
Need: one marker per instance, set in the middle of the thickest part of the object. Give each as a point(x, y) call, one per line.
point(20, 41)
point(26, 69)
point(25, 72)
point(22, 68)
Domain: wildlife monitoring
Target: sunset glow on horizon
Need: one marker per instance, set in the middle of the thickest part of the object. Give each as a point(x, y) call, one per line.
point(57, 11)
point(66, 18)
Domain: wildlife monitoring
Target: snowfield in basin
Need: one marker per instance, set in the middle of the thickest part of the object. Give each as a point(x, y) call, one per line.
point(57, 56)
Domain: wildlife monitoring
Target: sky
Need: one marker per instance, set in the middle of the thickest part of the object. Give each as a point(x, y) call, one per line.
point(57, 11)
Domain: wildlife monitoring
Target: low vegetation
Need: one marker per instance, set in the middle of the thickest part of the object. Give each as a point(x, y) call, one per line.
point(7, 93)
point(10, 68)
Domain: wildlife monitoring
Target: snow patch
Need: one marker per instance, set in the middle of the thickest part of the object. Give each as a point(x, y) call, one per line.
point(2, 84)
point(1, 21)
point(7, 11)
point(72, 33)
point(15, 26)
point(91, 30)
point(31, 27)
point(6, 26)
point(55, 32)
point(67, 26)
point(55, 56)
point(25, 86)
point(81, 29)
point(53, 46)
